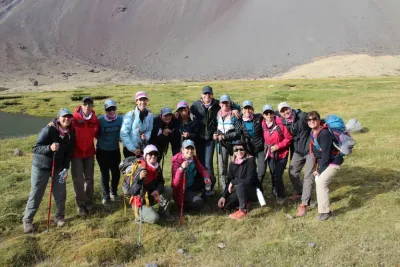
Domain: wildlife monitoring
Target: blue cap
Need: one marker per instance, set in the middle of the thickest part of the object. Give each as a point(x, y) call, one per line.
point(224, 98)
point(207, 90)
point(109, 103)
point(165, 111)
point(247, 103)
point(63, 112)
point(87, 99)
point(187, 143)
point(267, 107)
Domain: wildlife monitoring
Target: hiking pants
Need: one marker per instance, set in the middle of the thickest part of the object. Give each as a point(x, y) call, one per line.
point(39, 180)
point(82, 171)
point(241, 195)
point(109, 161)
point(276, 168)
point(149, 215)
point(194, 198)
point(296, 165)
point(223, 158)
point(205, 152)
point(322, 183)
point(261, 167)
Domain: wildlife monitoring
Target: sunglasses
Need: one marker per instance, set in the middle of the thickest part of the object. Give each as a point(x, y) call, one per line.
point(269, 112)
point(87, 104)
point(153, 154)
point(111, 109)
point(189, 148)
point(313, 119)
point(238, 149)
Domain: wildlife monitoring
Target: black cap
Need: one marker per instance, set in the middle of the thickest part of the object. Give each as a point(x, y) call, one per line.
point(87, 99)
point(207, 90)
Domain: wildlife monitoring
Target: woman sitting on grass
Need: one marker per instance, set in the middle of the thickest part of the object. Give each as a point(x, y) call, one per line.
point(242, 182)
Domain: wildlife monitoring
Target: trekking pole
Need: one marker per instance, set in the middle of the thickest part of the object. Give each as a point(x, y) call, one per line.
point(164, 153)
point(217, 149)
point(140, 218)
point(183, 197)
point(51, 191)
point(273, 178)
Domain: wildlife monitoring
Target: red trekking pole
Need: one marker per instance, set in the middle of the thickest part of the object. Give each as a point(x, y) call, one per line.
point(183, 197)
point(51, 191)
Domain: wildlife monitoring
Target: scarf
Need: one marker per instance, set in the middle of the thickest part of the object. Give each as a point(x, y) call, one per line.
point(269, 124)
point(110, 119)
point(155, 166)
point(223, 113)
point(61, 131)
point(291, 118)
point(248, 118)
point(86, 117)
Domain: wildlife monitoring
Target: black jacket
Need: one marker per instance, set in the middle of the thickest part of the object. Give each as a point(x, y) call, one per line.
point(300, 132)
point(245, 173)
point(160, 140)
point(191, 127)
point(43, 156)
point(326, 154)
point(207, 118)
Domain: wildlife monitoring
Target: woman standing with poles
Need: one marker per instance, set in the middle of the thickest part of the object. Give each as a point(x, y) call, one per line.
point(59, 138)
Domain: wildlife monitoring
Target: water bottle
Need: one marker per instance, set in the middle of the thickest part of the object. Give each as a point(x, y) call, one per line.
point(316, 178)
point(260, 197)
point(62, 175)
point(207, 182)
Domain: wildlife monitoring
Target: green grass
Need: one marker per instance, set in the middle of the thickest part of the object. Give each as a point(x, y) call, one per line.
point(365, 194)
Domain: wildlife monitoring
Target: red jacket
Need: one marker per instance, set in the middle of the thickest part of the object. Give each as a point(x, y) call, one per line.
point(273, 136)
point(178, 175)
point(85, 132)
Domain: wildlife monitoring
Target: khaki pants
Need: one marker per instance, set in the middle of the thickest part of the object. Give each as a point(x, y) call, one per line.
point(322, 183)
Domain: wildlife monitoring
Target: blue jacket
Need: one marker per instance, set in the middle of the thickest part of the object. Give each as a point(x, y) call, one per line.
point(130, 135)
point(108, 138)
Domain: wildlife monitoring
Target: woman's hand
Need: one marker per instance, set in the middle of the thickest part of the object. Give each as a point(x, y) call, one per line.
point(274, 148)
point(221, 202)
point(143, 174)
point(236, 113)
point(54, 147)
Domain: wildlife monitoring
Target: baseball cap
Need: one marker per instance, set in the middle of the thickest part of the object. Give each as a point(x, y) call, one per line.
point(207, 90)
point(62, 112)
point(224, 98)
point(109, 103)
point(267, 107)
point(140, 94)
point(182, 104)
point(148, 149)
point(165, 111)
point(283, 105)
point(247, 103)
point(187, 143)
point(87, 99)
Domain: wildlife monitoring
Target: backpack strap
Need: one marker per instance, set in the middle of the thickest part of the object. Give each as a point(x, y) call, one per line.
point(314, 139)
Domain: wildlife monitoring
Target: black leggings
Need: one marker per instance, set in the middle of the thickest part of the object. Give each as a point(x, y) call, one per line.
point(241, 194)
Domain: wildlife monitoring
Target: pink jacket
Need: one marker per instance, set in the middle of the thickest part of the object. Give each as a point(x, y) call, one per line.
point(178, 175)
point(280, 138)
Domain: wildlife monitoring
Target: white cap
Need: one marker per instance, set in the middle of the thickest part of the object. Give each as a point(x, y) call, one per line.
point(148, 149)
point(283, 105)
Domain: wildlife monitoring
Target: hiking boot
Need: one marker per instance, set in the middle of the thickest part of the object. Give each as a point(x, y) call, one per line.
point(295, 197)
point(113, 197)
point(82, 211)
point(60, 222)
point(89, 208)
point(325, 216)
point(106, 203)
point(281, 201)
point(28, 227)
point(238, 215)
point(302, 210)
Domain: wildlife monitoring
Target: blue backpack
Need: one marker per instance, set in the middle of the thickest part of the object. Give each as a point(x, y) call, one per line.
point(342, 139)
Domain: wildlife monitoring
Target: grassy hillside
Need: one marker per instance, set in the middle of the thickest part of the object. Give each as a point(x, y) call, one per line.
point(365, 195)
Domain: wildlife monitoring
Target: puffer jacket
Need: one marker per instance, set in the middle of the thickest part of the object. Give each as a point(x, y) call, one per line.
point(130, 135)
point(254, 143)
point(43, 156)
point(277, 136)
point(178, 175)
point(85, 132)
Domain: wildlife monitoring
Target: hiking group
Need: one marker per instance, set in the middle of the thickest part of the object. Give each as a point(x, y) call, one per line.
point(247, 144)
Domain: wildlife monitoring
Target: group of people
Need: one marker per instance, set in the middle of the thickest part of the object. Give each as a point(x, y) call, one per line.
point(247, 144)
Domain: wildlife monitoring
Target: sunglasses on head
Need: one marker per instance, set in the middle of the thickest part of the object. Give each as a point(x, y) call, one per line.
point(238, 149)
point(111, 109)
point(313, 119)
point(87, 104)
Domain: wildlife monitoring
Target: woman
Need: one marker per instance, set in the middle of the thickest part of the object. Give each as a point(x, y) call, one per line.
point(224, 136)
point(250, 131)
point(190, 180)
point(328, 160)
point(242, 182)
point(188, 127)
point(55, 142)
point(108, 154)
point(136, 127)
point(149, 189)
point(277, 140)
point(86, 127)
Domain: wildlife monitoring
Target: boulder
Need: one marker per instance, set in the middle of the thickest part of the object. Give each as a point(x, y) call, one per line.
point(354, 126)
point(18, 152)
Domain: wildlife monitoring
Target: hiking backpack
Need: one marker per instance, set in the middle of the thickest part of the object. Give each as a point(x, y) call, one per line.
point(130, 169)
point(342, 139)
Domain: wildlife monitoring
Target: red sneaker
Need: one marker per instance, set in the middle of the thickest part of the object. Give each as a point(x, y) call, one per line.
point(238, 215)
point(302, 210)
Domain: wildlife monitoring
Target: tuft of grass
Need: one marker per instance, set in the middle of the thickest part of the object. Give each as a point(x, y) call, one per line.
point(21, 251)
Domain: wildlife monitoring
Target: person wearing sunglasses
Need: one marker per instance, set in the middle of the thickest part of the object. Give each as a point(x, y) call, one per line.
point(295, 121)
point(277, 140)
point(149, 189)
point(241, 184)
point(86, 126)
point(205, 110)
point(136, 127)
point(108, 153)
point(328, 162)
point(190, 179)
